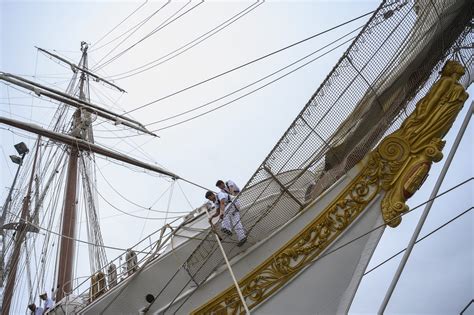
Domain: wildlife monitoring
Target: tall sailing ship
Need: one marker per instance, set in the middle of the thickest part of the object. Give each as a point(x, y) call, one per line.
point(361, 146)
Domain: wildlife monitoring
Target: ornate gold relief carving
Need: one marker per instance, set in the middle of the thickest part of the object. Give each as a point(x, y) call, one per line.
point(398, 165)
point(297, 253)
point(407, 154)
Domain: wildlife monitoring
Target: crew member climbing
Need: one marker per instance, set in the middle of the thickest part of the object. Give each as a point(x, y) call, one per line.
point(228, 214)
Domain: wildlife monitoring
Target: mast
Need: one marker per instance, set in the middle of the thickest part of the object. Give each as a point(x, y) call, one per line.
point(5, 210)
point(22, 229)
point(67, 248)
point(78, 140)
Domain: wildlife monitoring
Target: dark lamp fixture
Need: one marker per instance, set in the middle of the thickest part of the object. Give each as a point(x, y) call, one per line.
point(15, 159)
point(21, 148)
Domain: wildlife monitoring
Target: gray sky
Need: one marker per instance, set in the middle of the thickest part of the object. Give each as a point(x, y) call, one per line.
point(231, 142)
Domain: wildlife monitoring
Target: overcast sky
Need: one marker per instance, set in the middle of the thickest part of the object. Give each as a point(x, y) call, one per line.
point(230, 142)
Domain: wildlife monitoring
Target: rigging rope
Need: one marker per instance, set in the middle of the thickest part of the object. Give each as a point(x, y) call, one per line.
point(150, 65)
point(159, 198)
point(93, 226)
point(137, 27)
point(113, 104)
point(133, 28)
point(71, 238)
point(166, 190)
point(169, 201)
point(128, 213)
point(28, 267)
point(250, 62)
point(136, 204)
point(160, 27)
point(9, 168)
point(185, 197)
point(46, 254)
point(246, 94)
point(419, 240)
point(115, 27)
point(133, 215)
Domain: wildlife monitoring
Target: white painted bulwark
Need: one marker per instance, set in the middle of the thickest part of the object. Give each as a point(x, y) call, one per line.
point(326, 286)
point(329, 284)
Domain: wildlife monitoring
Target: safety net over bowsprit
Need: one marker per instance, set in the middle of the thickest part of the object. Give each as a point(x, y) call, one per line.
point(374, 86)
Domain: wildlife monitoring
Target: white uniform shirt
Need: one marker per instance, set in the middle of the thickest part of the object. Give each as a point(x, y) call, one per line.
point(231, 186)
point(48, 303)
point(222, 195)
point(38, 311)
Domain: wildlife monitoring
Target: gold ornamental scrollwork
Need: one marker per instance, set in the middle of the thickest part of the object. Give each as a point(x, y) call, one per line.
point(407, 154)
point(302, 249)
point(398, 165)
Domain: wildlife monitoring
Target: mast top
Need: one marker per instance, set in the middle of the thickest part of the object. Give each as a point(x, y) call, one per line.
point(84, 47)
point(74, 67)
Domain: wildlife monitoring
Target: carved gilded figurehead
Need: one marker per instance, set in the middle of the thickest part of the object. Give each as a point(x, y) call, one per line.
point(405, 156)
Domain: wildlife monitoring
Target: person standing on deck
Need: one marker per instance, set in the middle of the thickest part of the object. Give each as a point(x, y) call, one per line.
point(35, 310)
point(229, 214)
point(48, 302)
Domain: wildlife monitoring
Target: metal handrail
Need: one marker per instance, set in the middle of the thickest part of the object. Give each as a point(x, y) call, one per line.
point(123, 272)
point(120, 266)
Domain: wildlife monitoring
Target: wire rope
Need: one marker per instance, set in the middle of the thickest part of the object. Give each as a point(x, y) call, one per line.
point(150, 65)
point(250, 62)
point(419, 240)
point(133, 28)
point(160, 27)
point(251, 84)
point(120, 23)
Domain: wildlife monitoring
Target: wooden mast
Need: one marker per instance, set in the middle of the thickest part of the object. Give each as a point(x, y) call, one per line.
point(77, 141)
point(67, 247)
point(66, 253)
point(22, 229)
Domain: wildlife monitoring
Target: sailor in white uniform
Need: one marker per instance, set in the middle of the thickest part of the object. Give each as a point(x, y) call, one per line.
point(231, 188)
point(35, 310)
point(228, 187)
point(48, 302)
point(229, 214)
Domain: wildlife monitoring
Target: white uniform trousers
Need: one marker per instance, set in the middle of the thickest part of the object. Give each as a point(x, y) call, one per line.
point(231, 222)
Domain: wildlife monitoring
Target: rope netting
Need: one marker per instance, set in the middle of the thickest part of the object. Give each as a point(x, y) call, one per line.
point(373, 87)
